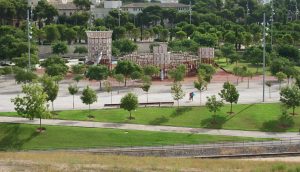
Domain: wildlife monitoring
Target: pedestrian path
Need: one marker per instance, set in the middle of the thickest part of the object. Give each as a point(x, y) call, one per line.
point(89, 124)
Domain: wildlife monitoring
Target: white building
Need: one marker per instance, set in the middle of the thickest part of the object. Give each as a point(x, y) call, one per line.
point(135, 8)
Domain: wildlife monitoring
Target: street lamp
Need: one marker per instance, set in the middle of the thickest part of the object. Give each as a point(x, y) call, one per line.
point(271, 21)
point(264, 56)
point(190, 12)
point(29, 35)
point(119, 14)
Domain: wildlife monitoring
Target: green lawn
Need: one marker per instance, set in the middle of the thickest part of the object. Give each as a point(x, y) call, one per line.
point(229, 67)
point(25, 137)
point(262, 117)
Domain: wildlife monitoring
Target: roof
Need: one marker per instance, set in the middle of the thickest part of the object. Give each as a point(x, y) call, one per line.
point(163, 5)
point(61, 6)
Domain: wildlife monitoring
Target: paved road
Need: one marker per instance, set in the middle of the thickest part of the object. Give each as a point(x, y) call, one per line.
point(89, 124)
point(161, 92)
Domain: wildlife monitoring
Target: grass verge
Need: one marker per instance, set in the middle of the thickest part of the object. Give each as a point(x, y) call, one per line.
point(25, 137)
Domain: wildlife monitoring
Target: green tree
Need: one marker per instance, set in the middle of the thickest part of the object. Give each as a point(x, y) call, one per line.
point(126, 68)
point(178, 73)
point(73, 89)
point(108, 89)
point(214, 105)
point(44, 11)
point(200, 85)
point(59, 48)
point(81, 50)
point(146, 85)
point(55, 66)
point(280, 77)
point(52, 33)
point(230, 94)
point(120, 79)
point(129, 102)
point(32, 104)
point(89, 97)
point(97, 73)
point(269, 84)
point(290, 97)
point(23, 61)
point(82, 4)
point(25, 76)
point(78, 69)
point(177, 92)
point(50, 87)
point(151, 70)
point(125, 46)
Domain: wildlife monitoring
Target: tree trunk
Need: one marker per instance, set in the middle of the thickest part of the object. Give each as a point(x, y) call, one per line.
point(40, 124)
point(248, 83)
point(200, 97)
point(147, 96)
point(178, 103)
point(230, 107)
point(73, 102)
point(52, 105)
point(89, 110)
point(294, 111)
point(129, 115)
point(100, 84)
point(269, 92)
point(111, 97)
point(125, 81)
point(279, 84)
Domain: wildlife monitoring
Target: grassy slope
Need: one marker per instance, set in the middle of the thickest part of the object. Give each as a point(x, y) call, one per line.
point(23, 137)
point(246, 117)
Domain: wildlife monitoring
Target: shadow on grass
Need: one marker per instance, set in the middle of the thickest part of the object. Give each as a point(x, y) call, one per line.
point(230, 116)
point(180, 111)
point(275, 126)
point(12, 138)
point(214, 122)
point(159, 120)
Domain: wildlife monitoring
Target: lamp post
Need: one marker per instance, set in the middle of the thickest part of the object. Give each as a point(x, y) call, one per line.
point(29, 35)
point(190, 12)
point(264, 56)
point(119, 14)
point(272, 20)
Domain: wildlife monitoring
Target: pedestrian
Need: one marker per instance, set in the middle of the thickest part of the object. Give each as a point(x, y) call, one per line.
point(190, 96)
point(193, 94)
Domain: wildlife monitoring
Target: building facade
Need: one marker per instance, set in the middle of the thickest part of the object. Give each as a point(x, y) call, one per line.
point(99, 47)
point(135, 8)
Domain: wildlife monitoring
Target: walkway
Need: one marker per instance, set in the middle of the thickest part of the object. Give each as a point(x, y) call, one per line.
point(89, 124)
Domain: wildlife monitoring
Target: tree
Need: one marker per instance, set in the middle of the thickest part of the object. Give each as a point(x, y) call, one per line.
point(228, 51)
point(89, 97)
point(249, 75)
point(177, 92)
point(200, 84)
point(230, 94)
point(55, 66)
point(32, 103)
point(73, 89)
point(23, 61)
point(124, 46)
point(290, 97)
point(82, 4)
point(108, 89)
point(129, 102)
point(78, 69)
point(178, 73)
point(269, 84)
point(146, 87)
point(24, 76)
point(207, 71)
point(81, 50)
point(50, 87)
point(44, 11)
point(59, 48)
point(119, 78)
point(52, 33)
point(213, 105)
point(77, 78)
point(280, 77)
point(97, 73)
point(151, 70)
point(239, 71)
point(126, 68)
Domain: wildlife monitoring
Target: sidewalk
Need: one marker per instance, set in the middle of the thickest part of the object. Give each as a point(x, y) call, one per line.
point(88, 124)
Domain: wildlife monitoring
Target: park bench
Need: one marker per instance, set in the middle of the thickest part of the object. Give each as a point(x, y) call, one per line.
point(143, 104)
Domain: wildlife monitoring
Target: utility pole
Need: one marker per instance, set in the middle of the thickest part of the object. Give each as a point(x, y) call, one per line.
point(119, 14)
point(29, 36)
point(190, 10)
point(297, 11)
point(272, 20)
point(264, 56)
